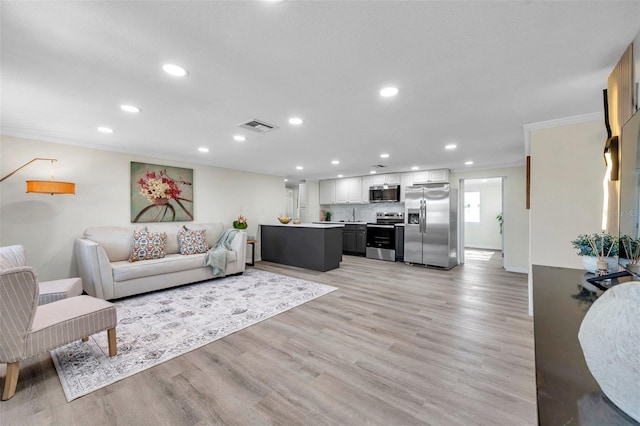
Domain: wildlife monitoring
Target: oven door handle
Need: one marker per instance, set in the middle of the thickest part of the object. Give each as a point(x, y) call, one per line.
point(381, 226)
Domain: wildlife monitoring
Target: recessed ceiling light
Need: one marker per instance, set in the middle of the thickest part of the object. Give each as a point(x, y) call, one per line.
point(203, 149)
point(299, 167)
point(415, 168)
point(384, 155)
point(335, 162)
point(286, 180)
point(450, 146)
point(372, 172)
point(130, 108)
point(175, 70)
point(388, 92)
point(295, 120)
point(340, 176)
point(468, 163)
point(274, 1)
point(105, 129)
point(239, 138)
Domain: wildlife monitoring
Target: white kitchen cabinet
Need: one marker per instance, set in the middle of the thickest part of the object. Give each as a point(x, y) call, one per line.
point(327, 192)
point(365, 189)
point(431, 176)
point(302, 196)
point(406, 180)
point(389, 179)
point(349, 190)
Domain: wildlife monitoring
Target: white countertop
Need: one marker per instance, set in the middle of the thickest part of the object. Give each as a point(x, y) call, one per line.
point(321, 225)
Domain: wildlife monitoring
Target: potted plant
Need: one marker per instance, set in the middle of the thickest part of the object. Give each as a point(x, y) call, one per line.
point(594, 248)
point(241, 223)
point(630, 252)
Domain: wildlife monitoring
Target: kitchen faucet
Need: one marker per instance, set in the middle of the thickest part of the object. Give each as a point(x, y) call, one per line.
point(353, 215)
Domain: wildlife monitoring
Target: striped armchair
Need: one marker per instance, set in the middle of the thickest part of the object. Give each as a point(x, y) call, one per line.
point(27, 329)
point(50, 291)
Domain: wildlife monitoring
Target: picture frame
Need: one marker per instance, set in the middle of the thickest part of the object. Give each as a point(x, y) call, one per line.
point(161, 193)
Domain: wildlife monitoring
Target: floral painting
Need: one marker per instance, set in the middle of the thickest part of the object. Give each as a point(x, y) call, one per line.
point(161, 193)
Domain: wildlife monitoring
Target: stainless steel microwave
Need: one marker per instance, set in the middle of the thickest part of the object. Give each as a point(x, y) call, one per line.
point(384, 194)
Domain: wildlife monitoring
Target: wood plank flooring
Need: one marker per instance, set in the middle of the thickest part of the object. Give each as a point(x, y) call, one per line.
point(394, 345)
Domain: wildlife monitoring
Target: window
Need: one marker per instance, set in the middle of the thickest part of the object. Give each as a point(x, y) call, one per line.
point(472, 207)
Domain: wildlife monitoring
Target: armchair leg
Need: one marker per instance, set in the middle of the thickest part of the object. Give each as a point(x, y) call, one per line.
point(111, 335)
point(11, 380)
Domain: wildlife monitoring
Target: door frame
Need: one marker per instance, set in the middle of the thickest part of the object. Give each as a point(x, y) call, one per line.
point(461, 222)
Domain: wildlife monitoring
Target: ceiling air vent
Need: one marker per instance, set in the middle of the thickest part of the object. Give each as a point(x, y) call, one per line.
point(378, 166)
point(258, 126)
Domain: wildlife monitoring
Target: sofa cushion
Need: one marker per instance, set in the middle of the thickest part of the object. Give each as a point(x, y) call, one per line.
point(192, 241)
point(147, 245)
point(115, 240)
point(123, 270)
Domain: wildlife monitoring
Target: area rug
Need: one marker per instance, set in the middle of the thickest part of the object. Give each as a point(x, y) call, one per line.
point(156, 327)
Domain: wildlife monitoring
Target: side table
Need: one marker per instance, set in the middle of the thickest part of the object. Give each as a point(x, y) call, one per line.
point(252, 243)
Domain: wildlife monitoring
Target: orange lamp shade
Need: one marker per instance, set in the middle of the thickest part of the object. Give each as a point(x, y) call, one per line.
point(50, 187)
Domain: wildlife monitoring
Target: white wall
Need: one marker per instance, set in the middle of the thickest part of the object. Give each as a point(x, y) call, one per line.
point(486, 233)
point(47, 225)
point(567, 171)
point(516, 215)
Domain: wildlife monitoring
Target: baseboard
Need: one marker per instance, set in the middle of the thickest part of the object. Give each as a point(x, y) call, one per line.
point(517, 270)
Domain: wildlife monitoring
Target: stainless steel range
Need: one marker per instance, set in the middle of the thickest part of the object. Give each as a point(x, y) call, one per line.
point(381, 236)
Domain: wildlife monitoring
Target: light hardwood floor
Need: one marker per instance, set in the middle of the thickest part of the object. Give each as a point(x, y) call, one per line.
point(394, 345)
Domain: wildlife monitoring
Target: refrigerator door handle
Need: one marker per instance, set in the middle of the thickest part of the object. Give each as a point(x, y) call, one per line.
point(424, 218)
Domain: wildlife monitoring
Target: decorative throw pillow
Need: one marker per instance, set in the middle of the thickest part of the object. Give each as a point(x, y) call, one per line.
point(192, 241)
point(148, 245)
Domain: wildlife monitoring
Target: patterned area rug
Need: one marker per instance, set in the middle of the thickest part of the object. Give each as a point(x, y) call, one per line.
point(157, 327)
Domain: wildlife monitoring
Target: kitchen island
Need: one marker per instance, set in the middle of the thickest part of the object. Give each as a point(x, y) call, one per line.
point(308, 245)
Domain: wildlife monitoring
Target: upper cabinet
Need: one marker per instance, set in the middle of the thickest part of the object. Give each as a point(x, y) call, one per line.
point(327, 191)
point(355, 190)
point(365, 189)
point(390, 179)
point(406, 179)
point(431, 176)
point(302, 196)
point(349, 190)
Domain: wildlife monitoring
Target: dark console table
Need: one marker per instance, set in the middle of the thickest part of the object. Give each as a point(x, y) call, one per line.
point(309, 246)
point(567, 392)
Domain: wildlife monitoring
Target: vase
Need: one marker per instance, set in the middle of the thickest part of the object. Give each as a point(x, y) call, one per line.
point(634, 267)
point(590, 263)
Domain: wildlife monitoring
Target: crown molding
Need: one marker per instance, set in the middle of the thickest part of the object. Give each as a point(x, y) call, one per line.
point(558, 122)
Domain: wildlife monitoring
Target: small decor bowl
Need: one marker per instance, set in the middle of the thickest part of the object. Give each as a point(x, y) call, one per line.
point(284, 219)
point(238, 225)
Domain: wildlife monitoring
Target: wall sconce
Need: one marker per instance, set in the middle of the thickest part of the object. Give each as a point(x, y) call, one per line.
point(611, 158)
point(45, 186)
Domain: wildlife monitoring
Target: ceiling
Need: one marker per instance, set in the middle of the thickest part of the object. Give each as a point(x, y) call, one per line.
point(469, 73)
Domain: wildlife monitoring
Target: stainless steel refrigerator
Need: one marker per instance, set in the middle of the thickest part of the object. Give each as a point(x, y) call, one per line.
point(430, 231)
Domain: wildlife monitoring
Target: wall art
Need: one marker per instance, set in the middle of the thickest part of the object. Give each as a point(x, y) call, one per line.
point(161, 193)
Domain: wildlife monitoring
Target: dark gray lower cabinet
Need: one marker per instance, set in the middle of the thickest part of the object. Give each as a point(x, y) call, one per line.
point(361, 240)
point(400, 243)
point(348, 240)
point(354, 239)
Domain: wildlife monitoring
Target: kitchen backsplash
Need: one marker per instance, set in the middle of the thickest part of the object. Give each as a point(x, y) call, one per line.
point(363, 212)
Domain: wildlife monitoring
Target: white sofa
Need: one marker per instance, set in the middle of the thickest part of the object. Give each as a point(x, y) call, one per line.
point(103, 256)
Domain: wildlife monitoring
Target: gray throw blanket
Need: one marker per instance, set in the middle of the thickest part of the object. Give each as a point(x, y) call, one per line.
point(217, 254)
